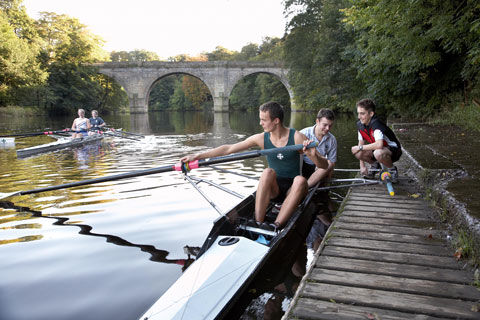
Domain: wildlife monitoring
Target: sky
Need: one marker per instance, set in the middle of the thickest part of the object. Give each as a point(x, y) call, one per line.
point(172, 27)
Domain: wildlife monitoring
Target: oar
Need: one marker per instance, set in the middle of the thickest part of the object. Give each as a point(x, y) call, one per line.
point(176, 167)
point(113, 134)
point(126, 132)
point(31, 134)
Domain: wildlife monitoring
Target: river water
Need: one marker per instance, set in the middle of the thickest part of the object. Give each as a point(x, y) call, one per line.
point(110, 250)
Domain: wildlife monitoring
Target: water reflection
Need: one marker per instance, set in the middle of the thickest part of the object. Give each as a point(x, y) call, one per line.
point(41, 256)
point(156, 255)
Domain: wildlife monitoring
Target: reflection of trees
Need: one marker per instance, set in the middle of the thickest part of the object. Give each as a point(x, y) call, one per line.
point(156, 255)
point(300, 120)
point(245, 122)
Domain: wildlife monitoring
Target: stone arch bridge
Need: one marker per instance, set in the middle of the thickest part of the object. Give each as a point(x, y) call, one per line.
point(138, 78)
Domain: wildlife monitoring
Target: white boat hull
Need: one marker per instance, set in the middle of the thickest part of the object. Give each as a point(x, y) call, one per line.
point(57, 145)
point(211, 282)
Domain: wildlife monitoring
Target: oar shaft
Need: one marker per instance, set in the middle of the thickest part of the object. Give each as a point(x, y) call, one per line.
point(167, 168)
point(132, 174)
point(126, 132)
point(31, 134)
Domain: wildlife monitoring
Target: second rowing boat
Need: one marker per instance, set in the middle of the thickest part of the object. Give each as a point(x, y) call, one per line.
point(64, 142)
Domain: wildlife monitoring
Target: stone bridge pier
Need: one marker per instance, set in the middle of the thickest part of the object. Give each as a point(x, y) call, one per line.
point(220, 77)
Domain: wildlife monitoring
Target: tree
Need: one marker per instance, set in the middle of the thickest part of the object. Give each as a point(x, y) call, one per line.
point(220, 54)
point(66, 40)
point(18, 65)
point(133, 56)
point(414, 55)
point(315, 53)
point(195, 91)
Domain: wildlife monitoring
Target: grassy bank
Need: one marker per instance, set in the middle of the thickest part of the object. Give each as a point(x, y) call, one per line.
point(467, 117)
point(17, 111)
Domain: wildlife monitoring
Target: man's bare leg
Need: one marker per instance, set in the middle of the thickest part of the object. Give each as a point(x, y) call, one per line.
point(267, 189)
point(317, 176)
point(384, 156)
point(295, 195)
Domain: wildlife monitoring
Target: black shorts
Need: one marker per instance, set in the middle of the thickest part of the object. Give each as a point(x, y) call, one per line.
point(308, 170)
point(396, 153)
point(283, 185)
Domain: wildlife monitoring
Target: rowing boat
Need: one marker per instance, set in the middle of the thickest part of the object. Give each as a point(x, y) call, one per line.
point(231, 257)
point(61, 143)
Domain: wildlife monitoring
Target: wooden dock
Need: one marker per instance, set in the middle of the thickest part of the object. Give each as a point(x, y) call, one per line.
point(384, 258)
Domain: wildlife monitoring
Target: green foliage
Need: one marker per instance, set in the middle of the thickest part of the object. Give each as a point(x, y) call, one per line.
point(412, 54)
point(18, 64)
point(133, 56)
point(161, 92)
point(315, 52)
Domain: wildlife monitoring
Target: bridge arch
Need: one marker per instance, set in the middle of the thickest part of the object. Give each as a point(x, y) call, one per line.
point(152, 85)
point(220, 77)
point(277, 75)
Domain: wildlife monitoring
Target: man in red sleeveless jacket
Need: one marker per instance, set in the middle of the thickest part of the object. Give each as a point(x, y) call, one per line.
point(377, 144)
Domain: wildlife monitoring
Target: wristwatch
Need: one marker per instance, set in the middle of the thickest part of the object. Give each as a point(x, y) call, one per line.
point(360, 147)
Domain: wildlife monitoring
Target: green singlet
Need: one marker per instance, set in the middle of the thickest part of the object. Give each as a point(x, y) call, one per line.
point(286, 164)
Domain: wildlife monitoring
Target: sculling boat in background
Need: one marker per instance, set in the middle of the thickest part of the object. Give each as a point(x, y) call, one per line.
point(231, 257)
point(61, 143)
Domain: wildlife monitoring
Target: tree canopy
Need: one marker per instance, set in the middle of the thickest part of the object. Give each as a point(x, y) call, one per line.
point(414, 57)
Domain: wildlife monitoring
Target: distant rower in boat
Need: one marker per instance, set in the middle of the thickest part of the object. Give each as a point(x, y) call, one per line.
point(282, 181)
point(96, 122)
point(327, 147)
point(80, 125)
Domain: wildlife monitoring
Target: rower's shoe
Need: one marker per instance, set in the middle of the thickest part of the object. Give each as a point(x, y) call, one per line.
point(374, 168)
point(394, 173)
point(252, 223)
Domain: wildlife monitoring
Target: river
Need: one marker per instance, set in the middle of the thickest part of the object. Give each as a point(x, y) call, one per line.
point(109, 250)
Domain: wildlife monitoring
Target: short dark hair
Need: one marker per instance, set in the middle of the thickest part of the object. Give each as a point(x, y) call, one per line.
point(326, 113)
point(275, 110)
point(367, 104)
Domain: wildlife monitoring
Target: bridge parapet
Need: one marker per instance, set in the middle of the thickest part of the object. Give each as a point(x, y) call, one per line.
point(137, 78)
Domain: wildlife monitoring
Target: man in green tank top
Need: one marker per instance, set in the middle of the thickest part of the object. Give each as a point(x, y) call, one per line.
point(282, 180)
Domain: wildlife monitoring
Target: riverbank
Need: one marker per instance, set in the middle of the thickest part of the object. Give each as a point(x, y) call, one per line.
point(443, 161)
point(17, 111)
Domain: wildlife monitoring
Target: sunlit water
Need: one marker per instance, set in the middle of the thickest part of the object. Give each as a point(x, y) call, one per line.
point(109, 250)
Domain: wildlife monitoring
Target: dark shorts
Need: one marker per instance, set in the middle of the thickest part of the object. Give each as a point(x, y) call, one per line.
point(83, 132)
point(307, 170)
point(396, 153)
point(283, 185)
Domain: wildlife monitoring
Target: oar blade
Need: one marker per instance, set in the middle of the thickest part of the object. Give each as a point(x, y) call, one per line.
point(8, 195)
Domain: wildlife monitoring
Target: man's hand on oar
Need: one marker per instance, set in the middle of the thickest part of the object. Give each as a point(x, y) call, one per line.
point(175, 167)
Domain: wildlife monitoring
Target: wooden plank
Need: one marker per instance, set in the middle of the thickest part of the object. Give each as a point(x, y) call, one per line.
point(380, 192)
point(361, 197)
point(382, 209)
point(397, 257)
point(386, 204)
point(388, 222)
point(389, 246)
point(384, 228)
point(307, 308)
point(403, 302)
point(394, 237)
point(386, 215)
point(396, 284)
point(394, 269)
